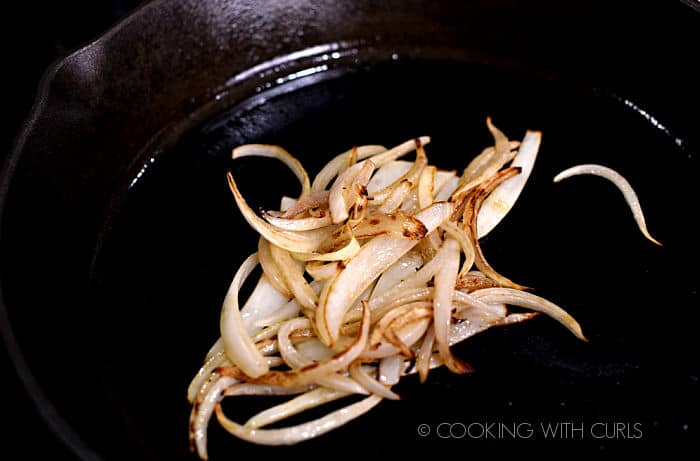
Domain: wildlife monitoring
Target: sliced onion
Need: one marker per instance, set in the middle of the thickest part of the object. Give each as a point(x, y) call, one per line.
point(359, 374)
point(396, 273)
point(530, 301)
point(399, 224)
point(262, 302)
point(320, 369)
point(426, 187)
point(293, 273)
point(461, 236)
point(621, 183)
point(396, 197)
point(390, 369)
point(332, 168)
point(502, 199)
point(239, 347)
point(297, 360)
point(276, 152)
point(211, 364)
point(307, 202)
point(295, 406)
point(411, 176)
point(302, 241)
point(320, 270)
point(387, 175)
point(407, 335)
point(424, 353)
point(271, 270)
point(374, 258)
point(471, 212)
point(301, 432)
point(260, 389)
point(298, 224)
point(345, 192)
point(445, 279)
point(447, 190)
point(208, 398)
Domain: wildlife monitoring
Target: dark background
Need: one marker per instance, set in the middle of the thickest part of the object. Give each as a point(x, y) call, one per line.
point(33, 35)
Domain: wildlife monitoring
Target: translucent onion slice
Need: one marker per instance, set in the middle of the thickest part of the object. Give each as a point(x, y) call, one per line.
point(276, 152)
point(272, 272)
point(530, 301)
point(447, 189)
point(307, 202)
point(210, 364)
point(347, 188)
point(301, 432)
point(359, 374)
point(306, 401)
point(298, 224)
point(239, 347)
point(297, 360)
point(347, 251)
point(411, 176)
point(621, 183)
point(468, 328)
point(320, 270)
point(387, 175)
point(209, 397)
point(399, 316)
point(301, 241)
point(339, 162)
point(293, 273)
point(445, 279)
point(406, 265)
point(262, 303)
point(396, 197)
point(260, 389)
point(317, 370)
point(426, 187)
point(461, 236)
point(374, 258)
point(407, 335)
point(471, 212)
point(390, 370)
point(215, 348)
point(424, 353)
point(399, 224)
point(502, 199)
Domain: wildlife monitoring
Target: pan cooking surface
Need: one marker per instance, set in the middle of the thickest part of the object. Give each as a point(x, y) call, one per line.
point(171, 247)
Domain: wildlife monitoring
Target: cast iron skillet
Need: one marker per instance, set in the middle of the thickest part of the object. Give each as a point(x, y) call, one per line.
point(119, 235)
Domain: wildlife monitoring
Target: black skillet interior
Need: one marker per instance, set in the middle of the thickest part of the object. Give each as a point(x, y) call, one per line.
point(119, 234)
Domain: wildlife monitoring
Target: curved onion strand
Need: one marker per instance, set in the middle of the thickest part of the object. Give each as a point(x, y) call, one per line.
point(622, 184)
point(301, 432)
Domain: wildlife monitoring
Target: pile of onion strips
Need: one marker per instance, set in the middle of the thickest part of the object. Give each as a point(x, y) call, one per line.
point(371, 274)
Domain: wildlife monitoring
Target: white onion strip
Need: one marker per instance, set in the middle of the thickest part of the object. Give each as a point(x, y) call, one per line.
point(239, 347)
point(530, 301)
point(359, 374)
point(374, 258)
point(621, 183)
point(301, 432)
point(445, 279)
point(276, 152)
point(501, 200)
point(312, 372)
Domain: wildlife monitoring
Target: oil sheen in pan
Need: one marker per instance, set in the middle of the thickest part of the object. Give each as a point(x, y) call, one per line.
point(177, 239)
